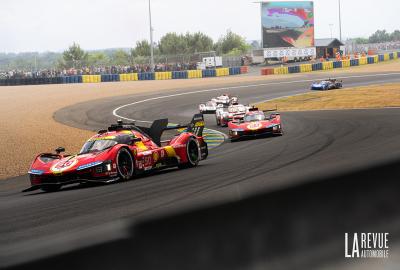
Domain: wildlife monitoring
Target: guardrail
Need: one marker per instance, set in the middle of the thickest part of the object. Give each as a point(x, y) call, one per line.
point(168, 75)
point(328, 65)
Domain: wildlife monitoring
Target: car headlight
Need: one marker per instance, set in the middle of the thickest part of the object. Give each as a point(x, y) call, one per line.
point(89, 165)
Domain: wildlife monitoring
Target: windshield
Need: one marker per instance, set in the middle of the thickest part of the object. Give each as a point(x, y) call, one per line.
point(236, 109)
point(254, 117)
point(210, 104)
point(96, 146)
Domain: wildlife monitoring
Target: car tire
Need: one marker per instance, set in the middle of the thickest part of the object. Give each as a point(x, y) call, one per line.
point(218, 121)
point(50, 188)
point(193, 154)
point(125, 164)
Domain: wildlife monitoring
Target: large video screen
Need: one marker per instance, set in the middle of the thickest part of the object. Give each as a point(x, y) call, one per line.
point(287, 24)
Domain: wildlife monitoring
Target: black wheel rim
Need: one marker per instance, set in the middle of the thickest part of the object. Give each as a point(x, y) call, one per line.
point(124, 164)
point(193, 152)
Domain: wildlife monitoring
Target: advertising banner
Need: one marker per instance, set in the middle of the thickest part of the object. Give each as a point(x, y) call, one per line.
point(289, 52)
point(287, 24)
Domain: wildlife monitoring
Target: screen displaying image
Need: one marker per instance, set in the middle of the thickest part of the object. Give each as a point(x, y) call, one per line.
point(288, 24)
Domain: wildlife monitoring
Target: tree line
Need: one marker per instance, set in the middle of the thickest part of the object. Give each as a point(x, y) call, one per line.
point(380, 36)
point(171, 44)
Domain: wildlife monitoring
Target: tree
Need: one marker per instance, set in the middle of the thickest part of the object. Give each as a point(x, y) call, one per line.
point(361, 40)
point(120, 57)
point(395, 36)
point(98, 59)
point(142, 48)
point(198, 42)
point(230, 42)
point(173, 44)
point(75, 56)
point(379, 36)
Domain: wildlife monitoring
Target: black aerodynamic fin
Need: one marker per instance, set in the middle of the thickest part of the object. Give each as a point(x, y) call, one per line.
point(196, 126)
point(156, 130)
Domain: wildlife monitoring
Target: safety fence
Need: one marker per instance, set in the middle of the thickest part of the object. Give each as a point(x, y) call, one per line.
point(169, 75)
point(328, 65)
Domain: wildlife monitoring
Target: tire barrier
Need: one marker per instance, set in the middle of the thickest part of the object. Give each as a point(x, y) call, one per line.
point(370, 60)
point(222, 72)
point(294, 69)
point(209, 73)
point(267, 71)
point(345, 63)
point(305, 68)
point(234, 70)
point(244, 69)
point(362, 61)
point(128, 77)
point(91, 78)
point(317, 66)
point(281, 70)
point(167, 75)
point(110, 78)
point(327, 65)
point(354, 62)
point(337, 64)
point(330, 64)
point(179, 75)
point(146, 76)
point(194, 74)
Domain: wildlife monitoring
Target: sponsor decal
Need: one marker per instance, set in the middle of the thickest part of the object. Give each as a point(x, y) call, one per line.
point(199, 124)
point(366, 245)
point(139, 164)
point(254, 126)
point(62, 166)
point(155, 156)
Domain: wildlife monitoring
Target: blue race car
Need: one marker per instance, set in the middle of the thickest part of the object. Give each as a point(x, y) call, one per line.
point(327, 85)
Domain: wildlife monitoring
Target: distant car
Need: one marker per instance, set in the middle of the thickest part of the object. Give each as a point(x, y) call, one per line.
point(211, 106)
point(226, 114)
point(327, 85)
point(119, 153)
point(208, 108)
point(255, 123)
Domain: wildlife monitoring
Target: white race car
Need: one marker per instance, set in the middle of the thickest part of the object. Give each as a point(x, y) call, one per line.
point(211, 106)
point(226, 114)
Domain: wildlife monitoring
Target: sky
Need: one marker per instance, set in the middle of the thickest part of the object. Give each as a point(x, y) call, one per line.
point(53, 25)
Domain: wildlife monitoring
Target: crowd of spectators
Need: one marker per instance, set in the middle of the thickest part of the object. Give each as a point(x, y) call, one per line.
point(50, 73)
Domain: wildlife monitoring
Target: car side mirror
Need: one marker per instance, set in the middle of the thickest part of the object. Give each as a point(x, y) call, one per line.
point(59, 150)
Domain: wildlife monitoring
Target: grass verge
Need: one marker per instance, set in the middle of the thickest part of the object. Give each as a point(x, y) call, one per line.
point(372, 96)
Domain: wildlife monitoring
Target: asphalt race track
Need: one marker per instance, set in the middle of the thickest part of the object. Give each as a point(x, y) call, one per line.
point(315, 143)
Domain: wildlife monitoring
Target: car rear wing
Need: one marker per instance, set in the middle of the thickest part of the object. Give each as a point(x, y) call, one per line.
point(155, 131)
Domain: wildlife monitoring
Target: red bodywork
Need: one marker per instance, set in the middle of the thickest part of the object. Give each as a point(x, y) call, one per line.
point(242, 128)
point(101, 166)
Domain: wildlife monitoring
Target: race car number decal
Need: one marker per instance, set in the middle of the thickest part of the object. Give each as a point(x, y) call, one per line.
point(63, 166)
point(254, 126)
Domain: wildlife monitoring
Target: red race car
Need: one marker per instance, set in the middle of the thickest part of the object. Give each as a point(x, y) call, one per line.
point(255, 123)
point(119, 153)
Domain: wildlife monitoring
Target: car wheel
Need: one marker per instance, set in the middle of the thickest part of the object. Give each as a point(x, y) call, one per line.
point(218, 121)
point(192, 154)
point(125, 165)
point(50, 188)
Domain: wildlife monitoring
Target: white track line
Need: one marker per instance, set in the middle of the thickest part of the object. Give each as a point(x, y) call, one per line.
point(231, 87)
point(115, 111)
